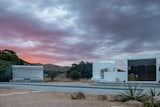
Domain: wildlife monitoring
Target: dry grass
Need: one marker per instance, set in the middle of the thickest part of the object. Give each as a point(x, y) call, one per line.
point(46, 99)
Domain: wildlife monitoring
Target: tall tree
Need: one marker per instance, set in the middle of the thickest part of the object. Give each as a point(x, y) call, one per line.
point(84, 68)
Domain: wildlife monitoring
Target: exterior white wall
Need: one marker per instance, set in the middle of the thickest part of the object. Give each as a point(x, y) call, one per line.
point(97, 67)
point(158, 69)
point(123, 65)
point(113, 76)
point(23, 72)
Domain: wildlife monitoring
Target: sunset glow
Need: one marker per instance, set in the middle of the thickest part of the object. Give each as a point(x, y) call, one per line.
point(60, 32)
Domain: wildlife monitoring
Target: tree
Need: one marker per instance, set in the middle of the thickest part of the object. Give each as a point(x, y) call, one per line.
point(9, 51)
point(74, 67)
point(52, 74)
point(87, 71)
point(84, 68)
point(8, 55)
point(5, 71)
point(75, 75)
point(8, 58)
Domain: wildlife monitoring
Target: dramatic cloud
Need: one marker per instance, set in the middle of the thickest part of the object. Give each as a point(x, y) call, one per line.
point(63, 32)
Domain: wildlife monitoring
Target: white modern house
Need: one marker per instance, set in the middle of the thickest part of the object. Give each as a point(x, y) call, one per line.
point(132, 69)
point(27, 73)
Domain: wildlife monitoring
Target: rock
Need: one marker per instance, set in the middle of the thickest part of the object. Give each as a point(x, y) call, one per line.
point(78, 95)
point(73, 96)
point(102, 97)
point(117, 98)
point(81, 95)
point(110, 98)
point(134, 103)
point(157, 98)
point(113, 97)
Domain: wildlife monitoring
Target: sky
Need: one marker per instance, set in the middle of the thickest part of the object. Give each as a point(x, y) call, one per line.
point(66, 31)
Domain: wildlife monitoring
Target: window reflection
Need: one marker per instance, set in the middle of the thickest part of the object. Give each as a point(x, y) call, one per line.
point(142, 70)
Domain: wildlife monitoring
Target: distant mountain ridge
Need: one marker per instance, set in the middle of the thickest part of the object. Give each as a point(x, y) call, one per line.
point(52, 67)
point(9, 57)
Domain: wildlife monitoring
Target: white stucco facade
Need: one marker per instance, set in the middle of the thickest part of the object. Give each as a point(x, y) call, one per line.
point(27, 73)
point(113, 75)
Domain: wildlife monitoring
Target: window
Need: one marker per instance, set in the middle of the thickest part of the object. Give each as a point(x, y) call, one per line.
point(142, 70)
point(102, 74)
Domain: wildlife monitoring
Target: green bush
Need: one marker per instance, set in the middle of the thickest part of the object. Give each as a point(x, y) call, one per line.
point(132, 94)
point(151, 100)
point(75, 75)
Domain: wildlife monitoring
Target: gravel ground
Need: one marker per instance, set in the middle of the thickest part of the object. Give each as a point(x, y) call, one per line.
point(29, 98)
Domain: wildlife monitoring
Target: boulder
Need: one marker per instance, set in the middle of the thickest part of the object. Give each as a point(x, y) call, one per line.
point(77, 95)
point(157, 99)
point(113, 97)
point(73, 96)
point(134, 103)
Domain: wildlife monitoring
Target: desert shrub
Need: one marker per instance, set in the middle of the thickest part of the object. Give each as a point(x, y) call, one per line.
point(132, 94)
point(102, 97)
point(149, 99)
point(77, 95)
point(152, 99)
point(75, 75)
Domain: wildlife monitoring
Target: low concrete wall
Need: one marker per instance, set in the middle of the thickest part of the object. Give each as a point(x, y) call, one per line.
point(27, 73)
point(115, 76)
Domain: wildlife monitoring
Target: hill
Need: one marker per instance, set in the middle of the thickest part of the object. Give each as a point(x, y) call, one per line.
point(55, 68)
point(8, 58)
point(54, 71)
point(11, 57)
